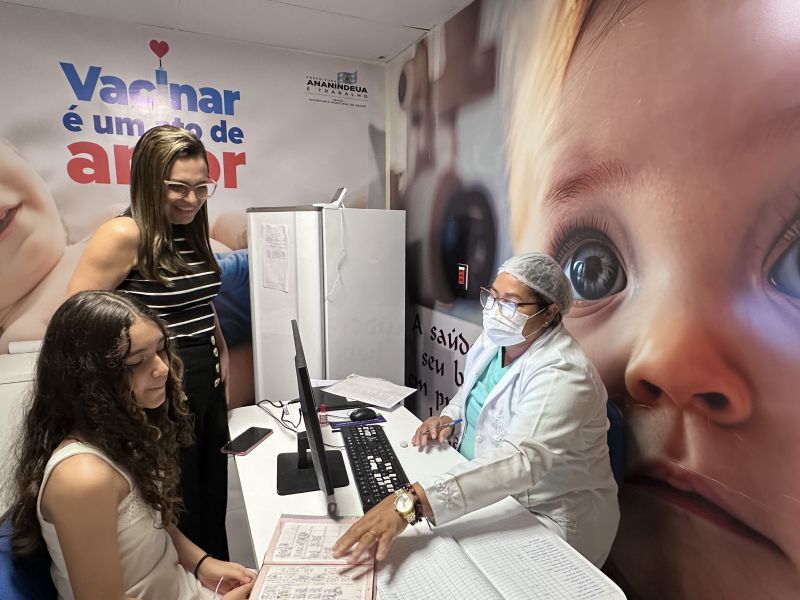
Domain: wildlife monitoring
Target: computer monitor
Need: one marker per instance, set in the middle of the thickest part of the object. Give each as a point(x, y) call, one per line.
point(325, 471)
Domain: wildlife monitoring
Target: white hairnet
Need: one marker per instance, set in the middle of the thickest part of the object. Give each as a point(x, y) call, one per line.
point(543, 275)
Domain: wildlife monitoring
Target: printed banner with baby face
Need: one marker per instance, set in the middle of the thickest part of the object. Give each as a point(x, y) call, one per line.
point(651, 149)
point(281, 129)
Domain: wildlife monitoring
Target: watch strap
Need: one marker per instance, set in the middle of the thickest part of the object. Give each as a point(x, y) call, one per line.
point(417, 503)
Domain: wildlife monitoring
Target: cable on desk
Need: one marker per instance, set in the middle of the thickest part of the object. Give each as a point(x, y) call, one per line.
point(285, 423)
point(282, 421)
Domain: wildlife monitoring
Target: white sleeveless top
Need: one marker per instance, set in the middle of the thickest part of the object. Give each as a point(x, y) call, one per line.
point(150, 567)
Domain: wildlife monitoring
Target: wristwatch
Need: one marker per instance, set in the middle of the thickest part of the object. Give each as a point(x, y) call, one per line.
point(404, 505)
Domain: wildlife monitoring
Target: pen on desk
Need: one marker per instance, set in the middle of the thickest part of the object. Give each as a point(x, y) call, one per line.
point(445, 425)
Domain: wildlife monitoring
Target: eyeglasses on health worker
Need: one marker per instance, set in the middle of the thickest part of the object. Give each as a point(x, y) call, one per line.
point(534, 425)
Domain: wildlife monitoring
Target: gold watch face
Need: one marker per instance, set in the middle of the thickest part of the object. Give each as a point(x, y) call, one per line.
point(404, 503)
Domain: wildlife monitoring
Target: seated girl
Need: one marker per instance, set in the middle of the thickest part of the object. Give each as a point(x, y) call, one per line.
point(97, 478)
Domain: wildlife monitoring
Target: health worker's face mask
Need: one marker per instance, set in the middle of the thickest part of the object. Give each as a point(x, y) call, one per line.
point(503, 331)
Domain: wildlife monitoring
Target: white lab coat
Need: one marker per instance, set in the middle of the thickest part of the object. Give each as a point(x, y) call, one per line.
point(541, 437)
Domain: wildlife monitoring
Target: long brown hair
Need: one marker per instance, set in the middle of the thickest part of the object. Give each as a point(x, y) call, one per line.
point(541, 45)
point(151, 163)
point(83, 389)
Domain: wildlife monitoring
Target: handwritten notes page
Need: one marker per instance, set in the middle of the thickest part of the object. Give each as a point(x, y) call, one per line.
point(513, 559)
point(276, 256)
point(312, 582)
point(525, 562)
point(431, 567)
point(299, 565)
point(307, 540)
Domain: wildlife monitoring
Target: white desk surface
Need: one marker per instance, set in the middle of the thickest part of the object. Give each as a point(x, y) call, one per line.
point(257, 470)
point(264, 506)
point(15, 368)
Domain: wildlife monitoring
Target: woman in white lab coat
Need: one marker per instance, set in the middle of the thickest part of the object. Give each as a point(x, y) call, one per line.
point(534, 425)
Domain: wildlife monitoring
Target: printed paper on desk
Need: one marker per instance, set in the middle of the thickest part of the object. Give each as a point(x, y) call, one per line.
point(321, 383)
point(276, 256)
point(371, 390)
point(298, 563)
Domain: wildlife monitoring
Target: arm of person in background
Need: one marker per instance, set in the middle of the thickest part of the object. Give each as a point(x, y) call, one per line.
point(81, 499)
point(108, 257)
point(232, 303)
point(211, 570)
point(230, 228)
point(233, 312)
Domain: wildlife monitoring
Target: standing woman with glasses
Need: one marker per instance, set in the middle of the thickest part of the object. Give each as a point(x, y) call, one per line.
point(158, 251)
point(530, 417)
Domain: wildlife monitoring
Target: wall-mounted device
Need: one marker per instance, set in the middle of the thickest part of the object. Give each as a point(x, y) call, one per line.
point(462, 276)
point(337, 201)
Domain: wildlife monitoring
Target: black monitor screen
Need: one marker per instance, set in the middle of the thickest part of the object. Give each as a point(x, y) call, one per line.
point(327, 470)
point(309, 412)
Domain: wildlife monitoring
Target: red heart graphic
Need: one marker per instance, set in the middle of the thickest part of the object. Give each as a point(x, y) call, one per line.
point(159, 48)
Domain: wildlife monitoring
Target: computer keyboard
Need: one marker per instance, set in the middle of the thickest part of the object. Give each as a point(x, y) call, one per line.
point(375, 466)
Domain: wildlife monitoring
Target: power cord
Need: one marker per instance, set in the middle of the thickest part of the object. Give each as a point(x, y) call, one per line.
point(341, 257)
point(286, 423)
point(282, 421)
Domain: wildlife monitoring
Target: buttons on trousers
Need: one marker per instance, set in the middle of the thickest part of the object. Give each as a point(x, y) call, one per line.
point(217, 381)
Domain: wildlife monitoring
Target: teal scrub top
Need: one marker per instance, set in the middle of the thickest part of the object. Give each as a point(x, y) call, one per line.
point(493, 372)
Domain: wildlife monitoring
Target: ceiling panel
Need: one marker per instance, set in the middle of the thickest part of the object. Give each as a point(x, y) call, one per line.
point(160, 13)
point(288, 26)
point(424, 14)
point(362, 29)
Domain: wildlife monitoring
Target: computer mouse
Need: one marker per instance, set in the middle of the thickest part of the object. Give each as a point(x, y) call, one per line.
point(363, 414)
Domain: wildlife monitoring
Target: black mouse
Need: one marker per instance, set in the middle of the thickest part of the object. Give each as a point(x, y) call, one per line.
point(363, 414)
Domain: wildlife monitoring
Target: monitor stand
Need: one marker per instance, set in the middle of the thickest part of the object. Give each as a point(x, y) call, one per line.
point(296, 472)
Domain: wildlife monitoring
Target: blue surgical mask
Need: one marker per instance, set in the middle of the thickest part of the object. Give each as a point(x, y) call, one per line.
point(503, 331)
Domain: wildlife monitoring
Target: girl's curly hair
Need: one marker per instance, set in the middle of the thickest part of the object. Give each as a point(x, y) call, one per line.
point(83, 389)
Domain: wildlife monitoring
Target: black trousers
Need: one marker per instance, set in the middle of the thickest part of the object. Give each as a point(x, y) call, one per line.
point(204, 469)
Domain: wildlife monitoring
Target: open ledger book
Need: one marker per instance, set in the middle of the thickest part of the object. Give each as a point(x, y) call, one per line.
point(516, 558)
point(298, 563)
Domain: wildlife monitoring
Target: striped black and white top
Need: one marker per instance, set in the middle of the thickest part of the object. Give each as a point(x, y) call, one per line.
point(186, 304)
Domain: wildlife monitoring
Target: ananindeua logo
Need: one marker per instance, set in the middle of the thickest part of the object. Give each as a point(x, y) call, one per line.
point(344, 90)
point(347, 77)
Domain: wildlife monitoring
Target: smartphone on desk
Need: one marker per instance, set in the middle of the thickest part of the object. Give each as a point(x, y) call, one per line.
point(247, 440)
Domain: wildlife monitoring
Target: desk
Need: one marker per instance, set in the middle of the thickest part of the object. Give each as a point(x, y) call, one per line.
point(264, 506)
point(16, 375)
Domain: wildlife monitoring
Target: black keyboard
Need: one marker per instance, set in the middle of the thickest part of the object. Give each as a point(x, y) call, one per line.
point(375, 466)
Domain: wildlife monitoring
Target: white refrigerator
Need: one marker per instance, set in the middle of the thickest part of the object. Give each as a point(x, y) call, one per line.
point(341, 273)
